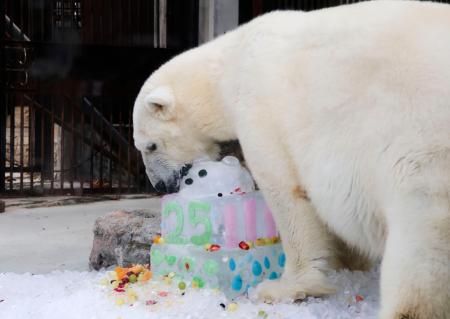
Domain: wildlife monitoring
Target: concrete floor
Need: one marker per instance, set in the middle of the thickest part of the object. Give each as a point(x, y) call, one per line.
point(39, 240)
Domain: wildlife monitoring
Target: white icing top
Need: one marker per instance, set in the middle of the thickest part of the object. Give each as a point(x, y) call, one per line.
point(211, 178)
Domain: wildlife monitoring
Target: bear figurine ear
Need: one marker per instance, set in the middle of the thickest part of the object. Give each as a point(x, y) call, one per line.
point(160, 103)
point(231, 160)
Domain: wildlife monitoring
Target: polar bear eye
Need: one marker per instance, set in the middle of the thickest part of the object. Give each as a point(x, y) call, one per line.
point(151, 147)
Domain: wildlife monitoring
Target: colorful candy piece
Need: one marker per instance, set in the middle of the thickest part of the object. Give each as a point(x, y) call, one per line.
point(182, 285)
point(120, 301)
point(133, 278)
point(232, 307)
point(147, 275)
point(359, 298)
point(243, 245)
point(121, 272)
point(214, 247)
point(260, 242)
point(262, 314)
point(158, 240)
point(136, 269)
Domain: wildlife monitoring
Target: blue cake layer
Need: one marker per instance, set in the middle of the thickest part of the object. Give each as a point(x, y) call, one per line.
point(232, 271)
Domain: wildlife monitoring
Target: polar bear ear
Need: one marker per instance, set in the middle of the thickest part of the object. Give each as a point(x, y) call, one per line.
point(160, 103)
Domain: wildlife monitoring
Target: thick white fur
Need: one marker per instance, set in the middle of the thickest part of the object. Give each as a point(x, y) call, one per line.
point(351, 104)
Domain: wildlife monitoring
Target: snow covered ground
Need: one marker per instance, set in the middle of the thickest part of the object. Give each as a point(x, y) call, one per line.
point(70, 294)
point(39, 240)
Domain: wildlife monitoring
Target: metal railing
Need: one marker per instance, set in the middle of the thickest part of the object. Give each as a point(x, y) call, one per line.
point(70, 71)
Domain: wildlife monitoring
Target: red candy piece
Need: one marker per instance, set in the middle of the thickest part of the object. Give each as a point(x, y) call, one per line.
point(359, 298)
point(119, 289)
point(186, 265)
point(214, 247)
point(150, 302)
point(243, 245)
point(163, 293)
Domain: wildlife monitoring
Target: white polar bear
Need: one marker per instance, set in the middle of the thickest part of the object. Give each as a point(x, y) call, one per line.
point(350, 104)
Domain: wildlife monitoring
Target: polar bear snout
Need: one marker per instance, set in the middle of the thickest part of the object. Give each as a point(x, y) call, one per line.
point(161, 187)
point(166, 183)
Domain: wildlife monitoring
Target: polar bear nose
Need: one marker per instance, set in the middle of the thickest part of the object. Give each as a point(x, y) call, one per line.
point(161, 187)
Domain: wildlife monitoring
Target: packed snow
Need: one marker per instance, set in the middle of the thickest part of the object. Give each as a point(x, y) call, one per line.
point(88, 295)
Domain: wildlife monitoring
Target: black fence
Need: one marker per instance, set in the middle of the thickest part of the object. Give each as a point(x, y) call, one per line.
point(70, 71)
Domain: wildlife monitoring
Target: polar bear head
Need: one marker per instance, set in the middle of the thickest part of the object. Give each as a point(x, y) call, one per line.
point(176, 117)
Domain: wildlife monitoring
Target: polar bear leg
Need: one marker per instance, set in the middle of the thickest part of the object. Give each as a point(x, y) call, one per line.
point(415, 276)
point(309, 253)
point(308, 245)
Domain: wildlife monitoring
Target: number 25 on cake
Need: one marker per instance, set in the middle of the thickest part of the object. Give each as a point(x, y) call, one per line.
point(217, 231)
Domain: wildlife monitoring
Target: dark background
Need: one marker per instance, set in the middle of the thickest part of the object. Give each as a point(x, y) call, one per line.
point(70, 71)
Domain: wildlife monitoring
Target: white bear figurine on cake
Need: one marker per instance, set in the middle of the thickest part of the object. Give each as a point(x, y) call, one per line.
point(217, 231)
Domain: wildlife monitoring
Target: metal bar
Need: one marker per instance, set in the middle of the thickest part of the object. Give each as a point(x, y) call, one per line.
point(119, 166)
point(82, 151)
point(51, 142)
point(3, 99)
point(138, 175)
point(3, 118)
point(156, 23)
point(73, 169)
point(21, 18)
point(31, 143)
point(92, 152)
point(112, 23)
point(29, 17)
point(62, 153)
point(21, 142)
point(129, 150)
point(102, 145)
point(42, 149)
point(110, 149)
point(11, 142)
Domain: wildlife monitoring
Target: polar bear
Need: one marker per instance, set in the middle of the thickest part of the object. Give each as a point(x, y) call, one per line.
point(343, 116)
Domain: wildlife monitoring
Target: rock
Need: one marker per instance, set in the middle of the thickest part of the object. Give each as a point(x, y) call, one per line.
point(124, 238)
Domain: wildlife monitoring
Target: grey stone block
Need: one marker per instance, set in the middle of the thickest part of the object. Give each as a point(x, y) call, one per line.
point(124, 238)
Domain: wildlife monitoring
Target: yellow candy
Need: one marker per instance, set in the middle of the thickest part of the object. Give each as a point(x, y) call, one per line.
point(171, 274)
point(268, 241)
point(104, 281)
point(260, 242)
point(207, 246)
point(131, 292)
point(167, 280)
point(232, 307)
point(120, 301)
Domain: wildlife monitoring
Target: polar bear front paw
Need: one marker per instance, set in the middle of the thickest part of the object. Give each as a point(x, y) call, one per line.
point(273, 291)
point(291, 288)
